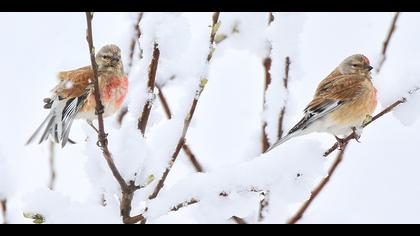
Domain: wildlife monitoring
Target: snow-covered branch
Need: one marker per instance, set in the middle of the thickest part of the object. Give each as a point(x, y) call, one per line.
point(186, 148)
point(127, 189)
point(188, 118)
point(144, 118)
point(318, 189)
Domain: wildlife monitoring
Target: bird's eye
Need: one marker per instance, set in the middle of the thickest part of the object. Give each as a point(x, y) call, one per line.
point(106, 57)
point(354, 65)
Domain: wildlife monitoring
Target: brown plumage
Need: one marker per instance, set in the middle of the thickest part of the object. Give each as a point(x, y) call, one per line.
point(74, 82)
point(73, 97)
point(341, 103)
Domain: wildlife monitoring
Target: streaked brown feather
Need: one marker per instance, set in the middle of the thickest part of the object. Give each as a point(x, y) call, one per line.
point(74, 82)
point(343, 88)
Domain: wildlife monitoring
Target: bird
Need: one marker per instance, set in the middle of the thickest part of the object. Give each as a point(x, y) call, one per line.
point(343, 101)
point(74, 98)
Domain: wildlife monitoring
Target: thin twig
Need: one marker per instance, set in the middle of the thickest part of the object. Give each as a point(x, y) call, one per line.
point(124, 110)
point(164, 102)
point(239, 220)
point(265, 144)
point(387, 40)
point(3, 206)
point(267, 80)
point(319, 188)
point(270, 18)
point(134, 39)
point(127, 189)
point(187, 150)
point(263, 205)
point(283, 110)
point(51, 185)
point(190, 114)
point(187, 121)
point(122, 114)
point(142, 122)
point(353, 135)
point(184, 204)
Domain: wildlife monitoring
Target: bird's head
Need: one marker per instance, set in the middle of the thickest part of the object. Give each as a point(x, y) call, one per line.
point(109, 59)
point(355, 64)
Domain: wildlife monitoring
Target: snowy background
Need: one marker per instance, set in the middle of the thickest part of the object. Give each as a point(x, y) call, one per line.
point(376, 183)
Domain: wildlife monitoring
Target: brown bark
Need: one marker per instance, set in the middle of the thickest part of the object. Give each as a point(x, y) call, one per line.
point(144, 118)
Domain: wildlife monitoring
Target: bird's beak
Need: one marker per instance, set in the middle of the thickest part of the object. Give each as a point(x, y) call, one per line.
point(368, 67)
point(115, 59)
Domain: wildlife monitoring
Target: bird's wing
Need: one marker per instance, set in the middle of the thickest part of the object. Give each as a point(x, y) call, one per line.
point(342, 87)
point(330, 95)
point(74, 83)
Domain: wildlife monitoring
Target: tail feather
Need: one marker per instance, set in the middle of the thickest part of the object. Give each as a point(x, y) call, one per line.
point(297, 130)
point(58, 123)
point(285, 139)
point(47, 130)
point(31, 139)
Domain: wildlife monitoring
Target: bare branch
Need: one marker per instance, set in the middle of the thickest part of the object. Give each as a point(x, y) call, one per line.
point(267, 66)
point(122, 114)
point(142, 122)
point(164, 102)
point(3, 206)
point(263, 205)
point(134, 40)
point(283, 110)
point(387, 40)
point(319, 188)
point(267, 80)
point(239, 220)
point(270, 18)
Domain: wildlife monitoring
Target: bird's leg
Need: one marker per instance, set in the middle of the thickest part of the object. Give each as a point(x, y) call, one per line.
point(101, 138)
point(48, 103)
point(101, 110)
point(71, 141)
point(91, 125)
point(356, 134)
point(341, 142)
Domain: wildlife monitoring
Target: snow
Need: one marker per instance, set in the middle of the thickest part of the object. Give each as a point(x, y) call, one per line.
point(7, 187)
point(59, 209)
point(397, 77)
point(225, 132)
point(248, 176)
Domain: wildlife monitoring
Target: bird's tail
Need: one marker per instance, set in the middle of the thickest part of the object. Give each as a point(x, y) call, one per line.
point(58, 122)
point(298, 130)
point(285, 139)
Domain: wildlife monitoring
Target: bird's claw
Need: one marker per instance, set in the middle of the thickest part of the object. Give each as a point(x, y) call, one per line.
point(102, 140)
point(356, 135)
point(100, 110)
point(341, 143)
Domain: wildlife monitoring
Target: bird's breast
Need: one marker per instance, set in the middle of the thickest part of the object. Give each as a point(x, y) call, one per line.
point(113, 93)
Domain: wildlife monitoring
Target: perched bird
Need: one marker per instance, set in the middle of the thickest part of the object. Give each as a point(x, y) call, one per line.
point(342, 102)
point(73, 97)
